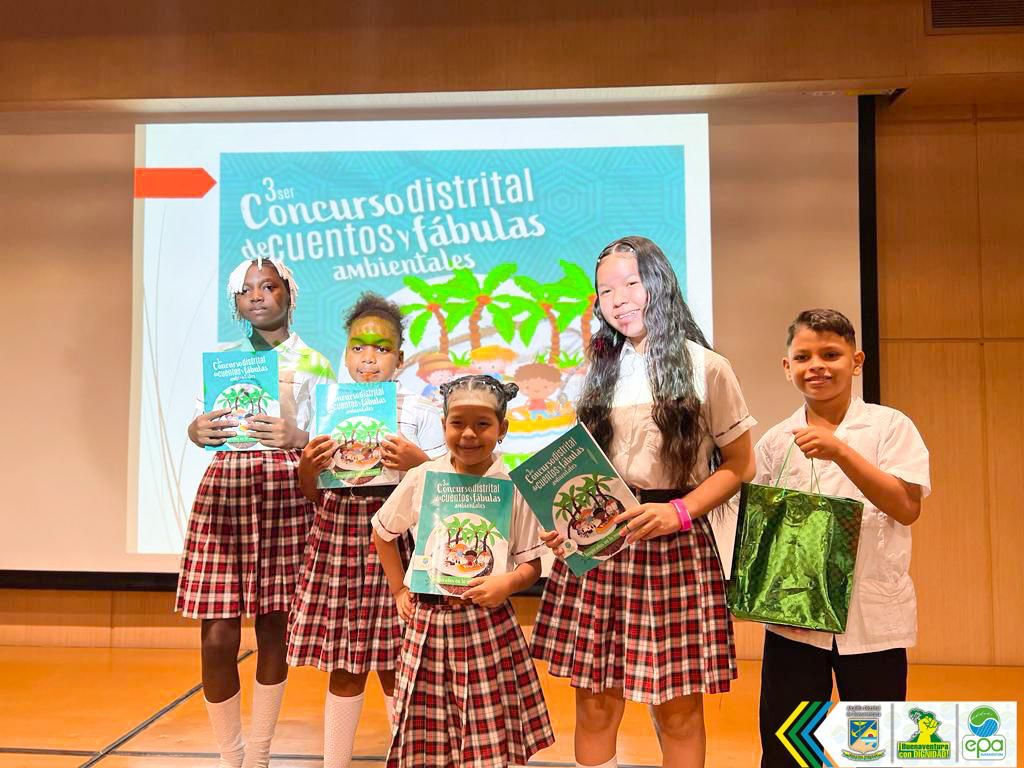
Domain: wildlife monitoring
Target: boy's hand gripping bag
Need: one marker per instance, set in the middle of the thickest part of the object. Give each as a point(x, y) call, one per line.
point(794, 557)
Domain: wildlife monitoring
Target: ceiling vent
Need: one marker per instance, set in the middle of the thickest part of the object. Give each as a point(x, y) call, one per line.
point(952, 17)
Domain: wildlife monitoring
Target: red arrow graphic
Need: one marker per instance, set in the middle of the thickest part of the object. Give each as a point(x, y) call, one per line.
point(172, 182)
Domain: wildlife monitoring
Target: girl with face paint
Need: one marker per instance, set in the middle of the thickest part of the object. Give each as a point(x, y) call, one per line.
point(248, 526)
point(343, 620)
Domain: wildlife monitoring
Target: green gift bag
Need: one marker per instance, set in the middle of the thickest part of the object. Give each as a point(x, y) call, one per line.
point(794, 556)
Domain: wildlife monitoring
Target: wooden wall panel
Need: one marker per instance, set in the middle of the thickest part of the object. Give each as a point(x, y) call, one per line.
point(1004, 364)
point(928, 230)
point(105, 49)
point(939, 385)
point(1001, 203)
point(749, 639)
point(792, 40)
point(193, 49)
point(45, 617)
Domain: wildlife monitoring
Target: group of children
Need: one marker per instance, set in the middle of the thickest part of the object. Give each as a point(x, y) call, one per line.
point(325, 572)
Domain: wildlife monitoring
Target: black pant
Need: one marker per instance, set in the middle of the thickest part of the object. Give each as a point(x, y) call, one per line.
point(794, 672)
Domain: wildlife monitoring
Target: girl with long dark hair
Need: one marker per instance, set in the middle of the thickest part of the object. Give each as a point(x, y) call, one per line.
point(651, 624)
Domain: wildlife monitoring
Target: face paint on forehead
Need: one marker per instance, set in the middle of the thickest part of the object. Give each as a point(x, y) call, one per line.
point(369, 338)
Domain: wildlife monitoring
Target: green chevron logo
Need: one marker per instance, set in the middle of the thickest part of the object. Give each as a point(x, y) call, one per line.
point(797, 734)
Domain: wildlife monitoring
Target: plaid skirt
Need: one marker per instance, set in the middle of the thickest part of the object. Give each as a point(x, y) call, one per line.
point(467, 692)
point(344, 616)
point(652, 621)
point(245, 537)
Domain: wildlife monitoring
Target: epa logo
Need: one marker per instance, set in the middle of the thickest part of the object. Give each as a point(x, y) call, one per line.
point(984, 741)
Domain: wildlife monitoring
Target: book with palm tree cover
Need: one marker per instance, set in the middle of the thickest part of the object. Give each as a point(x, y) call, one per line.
point(358, 417)
point(463, 532)
point(572, 488)
point(247, 384)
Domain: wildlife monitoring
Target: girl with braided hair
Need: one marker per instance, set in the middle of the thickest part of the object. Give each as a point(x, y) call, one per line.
point(249, 522)
point(651, 624)
point(467, 692)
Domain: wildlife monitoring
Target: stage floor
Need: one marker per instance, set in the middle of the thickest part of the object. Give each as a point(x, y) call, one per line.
point(127, 708)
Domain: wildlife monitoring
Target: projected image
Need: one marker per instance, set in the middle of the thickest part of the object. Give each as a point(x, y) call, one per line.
point(485, 233)
point(359, 450)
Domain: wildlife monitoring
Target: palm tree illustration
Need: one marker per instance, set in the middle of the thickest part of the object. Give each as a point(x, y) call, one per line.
point(245, 399)
point(598, 488)
point(227, 398)
point(487, 533)
point(434, 307)
point(455, 526)
point(550, 304)
point(578, 297)
point(567, 508)
point(260, 400)
point(475, 530)
point(378, 428)
point(470, 297)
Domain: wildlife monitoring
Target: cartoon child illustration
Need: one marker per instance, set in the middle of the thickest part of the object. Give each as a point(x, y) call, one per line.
point(435, 368)
point(538, 381)
point(491, 360)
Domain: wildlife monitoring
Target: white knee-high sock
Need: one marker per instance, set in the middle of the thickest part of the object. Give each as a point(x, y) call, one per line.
point(613, 763)
point(266, 706)
point(341, 717)
point(389, 707)
point(226, 720)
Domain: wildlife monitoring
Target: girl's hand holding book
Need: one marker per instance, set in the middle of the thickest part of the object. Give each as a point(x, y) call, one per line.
point(276, 432)
point(489, 591)
point(648, 521)
point(406, 603)
point(553, 540)
point(316, 457)
point(401, 453)
point(318, 454)
point(211, 428)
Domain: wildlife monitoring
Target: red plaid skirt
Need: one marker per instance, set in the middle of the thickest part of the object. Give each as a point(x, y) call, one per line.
point(467, 692)
point(652, 621)
point(245, 537)
point(344, 616)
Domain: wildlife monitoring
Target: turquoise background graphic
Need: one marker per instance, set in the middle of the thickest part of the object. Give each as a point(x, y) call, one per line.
point(583, 197)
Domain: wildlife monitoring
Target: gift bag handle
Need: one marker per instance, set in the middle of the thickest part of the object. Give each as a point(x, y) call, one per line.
point(785, 462)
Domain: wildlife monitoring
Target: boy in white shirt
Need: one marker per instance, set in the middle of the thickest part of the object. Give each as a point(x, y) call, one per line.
point(863, 451)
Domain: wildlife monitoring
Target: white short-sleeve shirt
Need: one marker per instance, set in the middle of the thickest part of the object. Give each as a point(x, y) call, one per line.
point(635, 447)
point(883, 608)
point(419, 420)
point(401, 512)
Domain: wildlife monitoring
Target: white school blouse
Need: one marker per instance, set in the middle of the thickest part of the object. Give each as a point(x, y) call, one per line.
point(635, 447)
point(883, 608)
point(401, 512)
point(419, 420)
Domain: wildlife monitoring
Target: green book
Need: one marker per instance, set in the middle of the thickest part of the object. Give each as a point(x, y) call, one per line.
point(572, 488)
point(245, 382)
point(357, 417)
point(462, 533)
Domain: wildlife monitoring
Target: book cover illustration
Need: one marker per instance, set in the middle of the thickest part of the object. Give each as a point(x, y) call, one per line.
point(247, 384)
point(357, 417)
point(463, 532)
point(572, 488)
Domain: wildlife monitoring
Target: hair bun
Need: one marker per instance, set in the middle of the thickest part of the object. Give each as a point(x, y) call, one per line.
point(511, 389)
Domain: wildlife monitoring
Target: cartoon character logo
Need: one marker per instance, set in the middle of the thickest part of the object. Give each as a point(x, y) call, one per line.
point(926, 743)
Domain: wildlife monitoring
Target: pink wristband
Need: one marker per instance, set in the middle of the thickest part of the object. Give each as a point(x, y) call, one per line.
point(685, 522)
